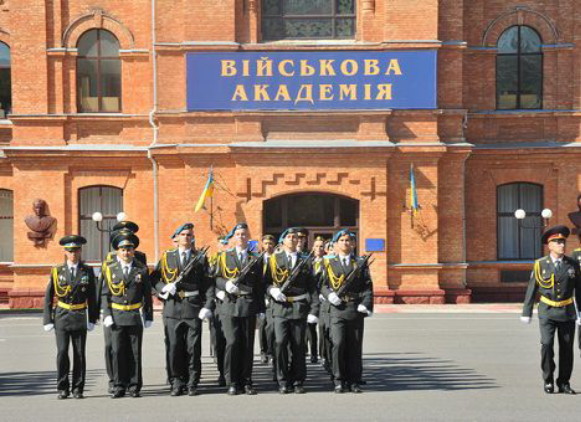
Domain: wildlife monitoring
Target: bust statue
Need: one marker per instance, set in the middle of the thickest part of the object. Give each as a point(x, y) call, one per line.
point(41, 224)
point(575, 217)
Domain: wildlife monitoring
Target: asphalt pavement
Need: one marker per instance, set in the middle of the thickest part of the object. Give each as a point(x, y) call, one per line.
point(447, 363)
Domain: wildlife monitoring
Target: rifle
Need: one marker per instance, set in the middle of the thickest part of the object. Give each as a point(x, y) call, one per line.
point(248, 267)
point(190, 265)
point(355, 273)
point(295, 273)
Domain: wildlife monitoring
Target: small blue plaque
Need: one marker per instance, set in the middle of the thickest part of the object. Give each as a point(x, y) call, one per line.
point(375, 245)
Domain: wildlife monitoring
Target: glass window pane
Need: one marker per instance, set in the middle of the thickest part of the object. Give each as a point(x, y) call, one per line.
point(508, 41)
point(5, 92)
point(311, 210)
point(345, 7)
point(6, 226)
point(109, 44)
point(272, 29)
point(111, 85)
point(4, 55)
point(507, 81)
point(508, 198)
point(529, 238)
point(507, 237)
point(308, 7)
point(87, 86)
point(308, 28)
point(273, 213)
point(87, 45)
point(531, 81)
point(271, 7)
point(349, 212)
point(345, 27)
point(529, 40)
point(530, 197)
point(111, 201)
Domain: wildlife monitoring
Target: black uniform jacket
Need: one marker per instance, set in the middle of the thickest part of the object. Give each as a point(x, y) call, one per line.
point(186, 303)
point(304, 284)
point(75, 292)
point(555, 286)
point(251, 300)
point(133, 291)
point(360, 292)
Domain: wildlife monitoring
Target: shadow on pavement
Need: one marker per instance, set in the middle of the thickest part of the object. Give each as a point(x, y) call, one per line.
point(38, 383)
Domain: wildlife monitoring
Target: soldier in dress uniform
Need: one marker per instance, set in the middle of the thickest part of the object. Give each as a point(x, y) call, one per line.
point(265, 327)
point(126, 292)
point(187, 303)
point(291, 310)
point(243, 301)
point(122, 228)
point(347, 311)
point(76, 311)
point(216, 332)
point(303, 244)
point(556, 277)
point(317, 339)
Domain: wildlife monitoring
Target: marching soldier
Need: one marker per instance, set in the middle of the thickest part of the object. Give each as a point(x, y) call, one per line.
point(243, 300)
point(216, 332)
point(126, 291)
point(318, 344)
point(291, 310)
point(122, 228)
point(73, 284)
point(557, 278)
point(303, 243)
point(265, 327)
point(188, 302)
point(347, 310)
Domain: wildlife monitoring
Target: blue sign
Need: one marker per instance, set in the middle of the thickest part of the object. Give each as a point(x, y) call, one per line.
point(375, 245)
point(330, 80)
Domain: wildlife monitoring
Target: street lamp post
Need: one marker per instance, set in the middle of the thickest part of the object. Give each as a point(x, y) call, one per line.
point(97, 217)
point(521, 214)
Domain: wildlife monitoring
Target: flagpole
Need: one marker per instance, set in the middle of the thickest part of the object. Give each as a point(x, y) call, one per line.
point(212, 212)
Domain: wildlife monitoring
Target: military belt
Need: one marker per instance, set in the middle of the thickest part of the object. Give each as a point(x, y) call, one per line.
point(292, 299)
point(183, 293)
point(121, 307)
point(558, 304)
point(350, 297)
point(72, 306)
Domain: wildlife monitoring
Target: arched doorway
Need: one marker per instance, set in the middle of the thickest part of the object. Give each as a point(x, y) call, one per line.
point(320, 213)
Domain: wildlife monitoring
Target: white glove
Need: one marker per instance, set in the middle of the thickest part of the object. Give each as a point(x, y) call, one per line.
point(363, 309)
point(334, 299)
point(232, 288)
point(221, 294)
point(578, 321)
point(108, 321)
point(277, 294)
point(48, 327)
point(261, 315)
point(322, 298)
point(90, 326)
point(312, 319)
point(525, 319)
point(147, 323)
point(205, 313)
point(169, 288)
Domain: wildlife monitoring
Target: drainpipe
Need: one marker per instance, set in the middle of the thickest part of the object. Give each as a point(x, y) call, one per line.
point(155, 129)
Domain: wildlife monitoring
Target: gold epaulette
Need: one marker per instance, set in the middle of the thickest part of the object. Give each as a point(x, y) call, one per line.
point(539, 275)
point(278, 275)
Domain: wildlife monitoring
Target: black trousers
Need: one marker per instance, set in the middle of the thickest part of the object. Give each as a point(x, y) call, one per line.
point(566, 334)
point(63, 339)
point(262, 336)
point(325, 344)
point(185, 351)
point(219, 342)
point(167, 359)
point(239, 350)
point(109, 355)
point(290, 370)
point(126, 343)
point(346, 336)
point(312, 340)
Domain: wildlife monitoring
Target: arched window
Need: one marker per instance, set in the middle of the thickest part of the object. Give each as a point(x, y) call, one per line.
point(6, 226)
point(320, 213)
point(98, 73)
point(109, 202)
point(519, 239)
point(519, 69)
point(5, 81)
point(299, 19)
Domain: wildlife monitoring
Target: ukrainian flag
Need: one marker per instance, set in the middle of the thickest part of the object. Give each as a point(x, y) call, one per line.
point(207, 192)
point(414, 204)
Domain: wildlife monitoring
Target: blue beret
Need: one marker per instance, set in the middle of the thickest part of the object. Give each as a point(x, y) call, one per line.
point(290, 230)
point(185, 226)
point(236, 227)
point(341, 233)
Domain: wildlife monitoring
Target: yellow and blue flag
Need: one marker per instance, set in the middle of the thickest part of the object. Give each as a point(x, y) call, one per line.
point(207, 192)
point(414, 204)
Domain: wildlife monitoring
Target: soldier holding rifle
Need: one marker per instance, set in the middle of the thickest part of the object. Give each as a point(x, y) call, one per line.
point(348, 287)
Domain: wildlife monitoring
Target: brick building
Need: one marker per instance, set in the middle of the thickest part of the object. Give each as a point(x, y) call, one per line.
point(96, 115)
